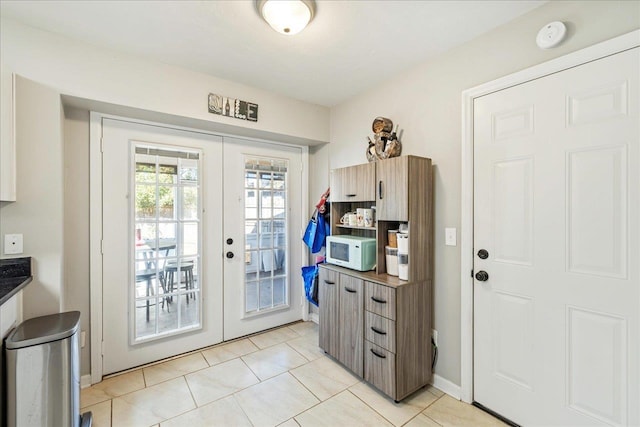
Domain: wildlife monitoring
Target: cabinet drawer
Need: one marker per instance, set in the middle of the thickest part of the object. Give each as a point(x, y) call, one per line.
point(380, 300)
point(380, 331)
point(380, 368)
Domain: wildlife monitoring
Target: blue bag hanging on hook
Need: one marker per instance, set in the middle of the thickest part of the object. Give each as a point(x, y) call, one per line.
point(310, 276)
point(315, 233)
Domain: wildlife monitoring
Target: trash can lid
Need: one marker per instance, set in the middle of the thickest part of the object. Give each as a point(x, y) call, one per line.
point(44, 329)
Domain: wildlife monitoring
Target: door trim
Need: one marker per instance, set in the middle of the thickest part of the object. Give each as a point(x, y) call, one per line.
point(95, 222)
point(610, 47)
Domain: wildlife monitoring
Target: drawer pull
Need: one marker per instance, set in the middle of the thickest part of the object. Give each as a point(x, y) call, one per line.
point(381, 356)
point(329, 282)
point(350, 195)
point(378, 331)
point(378, 300)
point(351, 291)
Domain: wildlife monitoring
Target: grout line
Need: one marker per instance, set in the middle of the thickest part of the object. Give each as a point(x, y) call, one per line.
point(195, 402)
point(233, 395)
point(366, 404)
point(430, 418)
point(306, 388)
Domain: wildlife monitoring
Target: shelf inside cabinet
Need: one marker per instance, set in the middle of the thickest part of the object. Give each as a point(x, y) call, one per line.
point(356, 227)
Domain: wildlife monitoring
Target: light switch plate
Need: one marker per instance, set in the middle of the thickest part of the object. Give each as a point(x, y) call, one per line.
point(450, 238)
point(12, 244)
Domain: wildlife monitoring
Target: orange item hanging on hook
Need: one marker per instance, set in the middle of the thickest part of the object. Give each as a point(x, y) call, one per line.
point(323, 199)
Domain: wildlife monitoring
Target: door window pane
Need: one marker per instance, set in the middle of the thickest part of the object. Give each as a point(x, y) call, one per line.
point(167, 239)
point(266, 234)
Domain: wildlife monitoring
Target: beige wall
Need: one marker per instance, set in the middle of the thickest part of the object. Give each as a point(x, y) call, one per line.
point(426, 102)
point(84, 71)
point(76, 223)
point(38, 213)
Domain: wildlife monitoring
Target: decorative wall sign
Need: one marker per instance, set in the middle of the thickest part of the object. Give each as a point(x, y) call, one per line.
point(231, 107)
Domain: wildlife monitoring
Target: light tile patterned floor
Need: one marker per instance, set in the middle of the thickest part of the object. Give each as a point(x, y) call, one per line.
point(277, 378)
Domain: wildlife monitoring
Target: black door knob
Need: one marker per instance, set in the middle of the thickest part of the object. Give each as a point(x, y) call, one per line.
point(229, 241)
point(483, 254)
point(482, 276)
point(229, 255)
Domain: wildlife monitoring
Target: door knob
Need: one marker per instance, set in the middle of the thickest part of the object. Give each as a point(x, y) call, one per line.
point(483, 254)
point(229, 241)
point(229, 255)
point(482, 276)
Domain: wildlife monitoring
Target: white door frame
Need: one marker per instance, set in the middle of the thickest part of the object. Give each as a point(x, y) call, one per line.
point(592, 53)
point(95, 223)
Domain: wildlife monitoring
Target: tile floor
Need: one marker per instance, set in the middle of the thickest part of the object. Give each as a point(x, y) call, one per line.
point(277, 378)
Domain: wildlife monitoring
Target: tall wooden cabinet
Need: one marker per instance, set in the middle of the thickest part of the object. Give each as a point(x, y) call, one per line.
point(375, 324)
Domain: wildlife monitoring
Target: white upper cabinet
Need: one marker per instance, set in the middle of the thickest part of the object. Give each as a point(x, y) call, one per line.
point(7, 135)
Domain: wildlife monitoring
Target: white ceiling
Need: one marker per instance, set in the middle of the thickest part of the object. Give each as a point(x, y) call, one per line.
point(348, 47)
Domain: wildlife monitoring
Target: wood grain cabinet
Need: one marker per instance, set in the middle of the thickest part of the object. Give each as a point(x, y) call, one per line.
point(351, 310)
point(328, 292)
point(353, 184)
point(375, 324)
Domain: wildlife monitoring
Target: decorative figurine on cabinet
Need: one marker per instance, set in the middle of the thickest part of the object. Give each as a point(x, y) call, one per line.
point(384, 144)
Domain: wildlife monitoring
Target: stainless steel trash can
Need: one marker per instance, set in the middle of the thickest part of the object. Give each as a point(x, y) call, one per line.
point(43, 372)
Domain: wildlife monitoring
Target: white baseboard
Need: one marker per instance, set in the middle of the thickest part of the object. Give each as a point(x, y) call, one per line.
point(85, 381)
point(313, 317)
point(447, 386)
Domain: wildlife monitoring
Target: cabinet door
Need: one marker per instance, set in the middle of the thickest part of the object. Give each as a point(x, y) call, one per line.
point(392, 203)
point(7, 136)
point(351, 323)
point(329, 334)
point(354, 183)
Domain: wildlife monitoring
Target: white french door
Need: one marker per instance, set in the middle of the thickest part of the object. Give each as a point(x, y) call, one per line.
point(263, 246)
point(201, 240)
point(557, 247)
point(162, 232)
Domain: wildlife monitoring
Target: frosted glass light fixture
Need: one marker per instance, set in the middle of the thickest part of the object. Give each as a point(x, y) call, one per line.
point(287, 17)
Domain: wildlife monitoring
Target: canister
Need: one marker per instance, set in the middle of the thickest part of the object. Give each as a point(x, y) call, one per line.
point(391, 255)
point(403, 243)
point(403, 266)
point(391, 236)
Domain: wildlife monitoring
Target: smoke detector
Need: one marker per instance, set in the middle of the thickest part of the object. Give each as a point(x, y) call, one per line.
point(551, 35)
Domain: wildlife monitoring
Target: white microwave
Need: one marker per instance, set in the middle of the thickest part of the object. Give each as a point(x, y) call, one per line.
point(357, 253)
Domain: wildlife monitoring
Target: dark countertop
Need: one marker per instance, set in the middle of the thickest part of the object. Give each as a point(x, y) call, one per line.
point(15, 274)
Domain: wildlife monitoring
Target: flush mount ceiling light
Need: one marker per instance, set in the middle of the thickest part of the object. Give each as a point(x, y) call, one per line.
point(287, 17)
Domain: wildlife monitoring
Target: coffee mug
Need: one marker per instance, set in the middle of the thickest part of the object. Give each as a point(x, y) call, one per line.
point(367, 216)
point(350, 218)
point(360, 217)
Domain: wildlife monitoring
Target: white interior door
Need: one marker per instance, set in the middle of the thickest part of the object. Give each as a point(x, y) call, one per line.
point(262, 233)
point(162, 239)
point(557, 193)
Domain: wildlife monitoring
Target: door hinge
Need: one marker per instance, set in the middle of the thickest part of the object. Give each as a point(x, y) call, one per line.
point(472, 273)
point(102, 144)
point(102, 348)
point(102, 246)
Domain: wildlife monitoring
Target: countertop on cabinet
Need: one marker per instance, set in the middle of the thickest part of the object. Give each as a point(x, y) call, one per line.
point(15, 274)
point(370, 276)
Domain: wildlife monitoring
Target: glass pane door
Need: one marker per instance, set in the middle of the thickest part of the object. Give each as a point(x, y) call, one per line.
point(167, 241)
point(265, 225)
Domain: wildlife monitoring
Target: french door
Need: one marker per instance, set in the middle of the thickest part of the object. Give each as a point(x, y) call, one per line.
point(200, 240)
point(556, 247)
point(162, 228)
point(263, 246)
